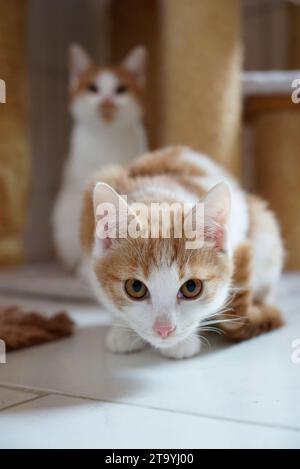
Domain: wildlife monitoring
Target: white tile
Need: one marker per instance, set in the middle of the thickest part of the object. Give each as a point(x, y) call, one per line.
point(9, 397)
point(63, 422)
point(253, 381)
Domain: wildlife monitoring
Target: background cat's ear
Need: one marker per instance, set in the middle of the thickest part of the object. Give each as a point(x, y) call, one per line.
point(216, 213)
point(79, 62)
point(136, 63)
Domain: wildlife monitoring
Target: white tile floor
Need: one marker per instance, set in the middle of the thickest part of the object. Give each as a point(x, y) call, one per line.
point(73, 393)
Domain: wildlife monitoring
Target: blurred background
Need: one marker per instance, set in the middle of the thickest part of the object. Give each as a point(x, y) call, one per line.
point(197, 94)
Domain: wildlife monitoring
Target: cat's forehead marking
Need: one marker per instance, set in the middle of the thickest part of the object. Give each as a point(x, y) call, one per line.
point(107, 81)
point(159, 255)
point(163, 283)
point(107, 78)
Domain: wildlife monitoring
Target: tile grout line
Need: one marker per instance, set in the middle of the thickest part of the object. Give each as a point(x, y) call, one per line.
point(12, 406)
point(139, 406)
point(23, 389)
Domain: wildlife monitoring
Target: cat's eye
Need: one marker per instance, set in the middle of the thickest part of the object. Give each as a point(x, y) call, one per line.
point(121, 89)
point(93, 88)
point(135, 289)
point(191, 289)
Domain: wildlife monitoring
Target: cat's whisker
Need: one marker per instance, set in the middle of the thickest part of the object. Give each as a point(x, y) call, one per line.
point(205, 339)
point(222, 321)
point(124, 328)
point(212, 329)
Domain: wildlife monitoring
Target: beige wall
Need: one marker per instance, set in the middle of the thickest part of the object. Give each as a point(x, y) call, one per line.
point(265, 28)
point(142, 26)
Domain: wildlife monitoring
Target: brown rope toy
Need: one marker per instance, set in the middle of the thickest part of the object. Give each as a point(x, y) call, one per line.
point(19, 329)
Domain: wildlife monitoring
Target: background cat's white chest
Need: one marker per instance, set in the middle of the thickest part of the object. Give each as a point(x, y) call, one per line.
point(107, 144)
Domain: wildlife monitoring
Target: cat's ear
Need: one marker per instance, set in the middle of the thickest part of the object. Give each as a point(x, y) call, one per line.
point(136, 63)
point(79, 63)
point(112, 214)
point(216, 213)
point(104, 193)
point(107, 204)
point(217, 203)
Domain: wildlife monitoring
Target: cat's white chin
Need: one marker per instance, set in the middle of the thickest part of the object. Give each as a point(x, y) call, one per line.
point(171, 341)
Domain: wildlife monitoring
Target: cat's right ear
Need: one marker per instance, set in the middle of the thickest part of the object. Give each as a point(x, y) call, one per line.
point(136, 64)
point(111, 213)
point(217, 203)
point(79, 63)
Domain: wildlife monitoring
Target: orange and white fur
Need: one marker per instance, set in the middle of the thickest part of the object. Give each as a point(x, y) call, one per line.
point(158, 291)
point(105, 104)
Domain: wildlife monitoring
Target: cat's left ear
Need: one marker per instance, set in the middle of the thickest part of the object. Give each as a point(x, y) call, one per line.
point(136, 64)
point(217, 204)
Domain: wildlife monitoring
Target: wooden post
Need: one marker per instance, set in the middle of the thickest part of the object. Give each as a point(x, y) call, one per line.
point(14, 149)
point(201, 56)
point(276, 124)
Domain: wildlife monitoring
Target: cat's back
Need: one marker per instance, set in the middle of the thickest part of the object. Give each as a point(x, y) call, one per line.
point(190, 175)
point(181, 162)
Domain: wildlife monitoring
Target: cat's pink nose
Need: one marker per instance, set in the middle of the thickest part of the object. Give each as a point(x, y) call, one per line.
point(108, 104)
point(163, 329)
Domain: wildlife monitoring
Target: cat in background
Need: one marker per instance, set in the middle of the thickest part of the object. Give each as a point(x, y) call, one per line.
point(163, 294)
point(106, 106)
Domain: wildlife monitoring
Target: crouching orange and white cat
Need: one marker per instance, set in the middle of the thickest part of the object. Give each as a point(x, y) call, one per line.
point(107, 112)
point(158, 291)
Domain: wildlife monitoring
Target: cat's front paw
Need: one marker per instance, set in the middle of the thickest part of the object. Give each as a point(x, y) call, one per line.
point(185, 349)
point(120, 340)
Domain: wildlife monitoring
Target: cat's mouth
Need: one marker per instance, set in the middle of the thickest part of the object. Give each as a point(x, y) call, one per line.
point(159, 342)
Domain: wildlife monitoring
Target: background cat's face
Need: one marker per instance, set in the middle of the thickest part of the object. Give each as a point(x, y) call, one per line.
point(165, 309)
point(108, 94)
